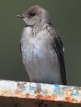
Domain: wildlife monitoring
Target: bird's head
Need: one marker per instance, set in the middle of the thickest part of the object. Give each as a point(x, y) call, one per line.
point(34, 15)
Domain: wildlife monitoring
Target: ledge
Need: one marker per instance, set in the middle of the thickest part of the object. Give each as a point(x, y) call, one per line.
point(23, 94)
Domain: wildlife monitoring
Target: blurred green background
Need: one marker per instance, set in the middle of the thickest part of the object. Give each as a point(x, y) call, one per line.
point(66, 16)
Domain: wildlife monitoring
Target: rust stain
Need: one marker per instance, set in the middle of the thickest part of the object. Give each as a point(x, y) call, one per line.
point(17, 92)
point(72, 100)
point(39, 96)
point(40, 91)
point(28, 95)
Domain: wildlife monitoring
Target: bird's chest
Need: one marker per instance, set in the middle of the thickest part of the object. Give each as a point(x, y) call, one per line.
point(32, 46)
point(39, 58)
point(31, 50)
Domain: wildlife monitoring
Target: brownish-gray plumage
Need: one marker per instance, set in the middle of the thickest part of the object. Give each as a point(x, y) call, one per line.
point(42, 48)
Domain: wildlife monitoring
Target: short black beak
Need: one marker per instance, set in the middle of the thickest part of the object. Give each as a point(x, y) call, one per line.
point(19, 16)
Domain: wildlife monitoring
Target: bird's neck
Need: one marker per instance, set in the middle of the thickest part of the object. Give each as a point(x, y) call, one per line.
point(38, 27)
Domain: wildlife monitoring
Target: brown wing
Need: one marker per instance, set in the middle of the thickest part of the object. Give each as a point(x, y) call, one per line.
point(58, 46)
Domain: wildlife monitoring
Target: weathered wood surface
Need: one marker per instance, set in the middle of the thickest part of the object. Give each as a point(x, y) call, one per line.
point(27, 94)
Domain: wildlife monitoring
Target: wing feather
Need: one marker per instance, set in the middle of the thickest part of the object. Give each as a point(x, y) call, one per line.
point(58, 46)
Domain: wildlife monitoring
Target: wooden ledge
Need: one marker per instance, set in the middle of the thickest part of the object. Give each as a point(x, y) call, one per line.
point(21, 94)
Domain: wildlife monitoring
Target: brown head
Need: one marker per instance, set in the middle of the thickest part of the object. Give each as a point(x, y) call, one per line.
point(34, 15)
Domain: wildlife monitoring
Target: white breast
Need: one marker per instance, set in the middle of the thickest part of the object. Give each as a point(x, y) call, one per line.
point(39, 58)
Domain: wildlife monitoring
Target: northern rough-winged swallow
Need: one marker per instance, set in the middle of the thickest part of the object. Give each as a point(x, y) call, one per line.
point(42, 48)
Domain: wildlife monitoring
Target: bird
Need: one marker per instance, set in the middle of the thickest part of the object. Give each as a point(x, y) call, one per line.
point(42, 48)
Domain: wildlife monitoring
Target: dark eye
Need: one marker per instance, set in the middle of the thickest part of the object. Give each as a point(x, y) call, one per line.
point(31, 14)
